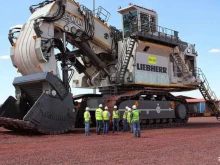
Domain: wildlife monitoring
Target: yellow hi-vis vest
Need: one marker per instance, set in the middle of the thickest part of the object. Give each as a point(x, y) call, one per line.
point(98, 114)
point(105, 115)
point(125, 114)
point(129, 117)
point(115, 114)
point(136, 115)
point(86, 116)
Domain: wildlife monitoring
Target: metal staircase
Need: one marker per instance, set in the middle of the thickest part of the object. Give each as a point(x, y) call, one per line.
point(180, 62)
point(124, 58)
point(207, 93)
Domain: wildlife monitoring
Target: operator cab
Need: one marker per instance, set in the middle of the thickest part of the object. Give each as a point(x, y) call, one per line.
point(142, 23)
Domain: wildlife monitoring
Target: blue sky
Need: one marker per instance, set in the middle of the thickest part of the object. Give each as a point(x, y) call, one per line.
point(197, 22)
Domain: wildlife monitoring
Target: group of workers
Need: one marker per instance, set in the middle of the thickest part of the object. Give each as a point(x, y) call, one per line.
point(131, 120)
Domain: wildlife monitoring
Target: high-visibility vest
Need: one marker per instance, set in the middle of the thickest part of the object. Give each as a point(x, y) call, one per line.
point(98, 114)
point(129, 117)
point(125, 114)
point(136, 115)
point(115, 114)
point(86, 115)
point(105, 115)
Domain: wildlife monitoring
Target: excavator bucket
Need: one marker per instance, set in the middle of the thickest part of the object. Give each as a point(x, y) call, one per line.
point(42, 104)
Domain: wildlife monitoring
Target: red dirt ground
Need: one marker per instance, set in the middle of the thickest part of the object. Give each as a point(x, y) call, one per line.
point(196, 143)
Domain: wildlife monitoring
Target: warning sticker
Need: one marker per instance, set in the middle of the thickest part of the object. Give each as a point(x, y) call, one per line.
point(152, 59)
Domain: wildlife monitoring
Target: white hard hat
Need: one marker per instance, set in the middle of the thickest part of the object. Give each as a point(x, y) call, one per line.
point(106, 107)
point(100, 105)
point(129, 109)
point(87, 108)
point(115, 107)
point(126, 107)
point(134, 107)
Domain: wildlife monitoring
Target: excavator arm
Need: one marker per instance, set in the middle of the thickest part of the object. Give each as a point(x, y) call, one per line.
point(52, 25)
point(43, 99)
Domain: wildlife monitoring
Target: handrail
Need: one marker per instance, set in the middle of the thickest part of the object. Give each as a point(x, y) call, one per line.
point(199, 74)
point(123, 51)
point(152, 28)
point(102, 15)
point(183, 62)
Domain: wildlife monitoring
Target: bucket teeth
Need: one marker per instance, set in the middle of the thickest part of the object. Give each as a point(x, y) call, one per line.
point(19, 125)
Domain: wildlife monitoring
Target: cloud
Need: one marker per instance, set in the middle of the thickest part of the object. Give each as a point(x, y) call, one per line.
point(5, 57)
point(214, 51)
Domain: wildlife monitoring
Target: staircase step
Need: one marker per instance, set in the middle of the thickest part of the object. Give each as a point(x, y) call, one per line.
point(126, 55)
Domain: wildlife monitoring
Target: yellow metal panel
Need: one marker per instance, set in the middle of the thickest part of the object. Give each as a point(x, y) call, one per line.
point(152, 60)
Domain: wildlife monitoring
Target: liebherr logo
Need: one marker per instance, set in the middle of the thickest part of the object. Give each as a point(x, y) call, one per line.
point(151, 68)
point(72, 19)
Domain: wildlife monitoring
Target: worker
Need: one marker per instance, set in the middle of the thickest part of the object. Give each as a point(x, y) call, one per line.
point(136, 121)
point(115, 119)
point(129, 119)
point(131, 122)
point(125, 123)
point(106, 116)
point(99, 119)
point(87, 119)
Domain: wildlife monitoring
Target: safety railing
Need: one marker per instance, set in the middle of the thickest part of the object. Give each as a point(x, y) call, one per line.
point(122, 54)
point(197, 73)
point(102, 14)
point(152, 30)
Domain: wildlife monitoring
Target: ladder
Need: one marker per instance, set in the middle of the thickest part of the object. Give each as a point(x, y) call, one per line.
point(124, 58)
point(207, 93)
point(180, 62)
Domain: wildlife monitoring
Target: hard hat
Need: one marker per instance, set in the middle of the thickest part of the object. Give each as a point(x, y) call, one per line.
point(129, 109)
point(87, 108)
point(134, 107)
point(115, 107)
point(100, 105)
point(106, 107)
point(126, 107)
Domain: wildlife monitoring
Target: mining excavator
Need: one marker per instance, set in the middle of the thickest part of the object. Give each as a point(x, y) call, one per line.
point(138, 65)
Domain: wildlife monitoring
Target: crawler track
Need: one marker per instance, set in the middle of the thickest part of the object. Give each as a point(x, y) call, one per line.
point(20, 125)
point(131, 95)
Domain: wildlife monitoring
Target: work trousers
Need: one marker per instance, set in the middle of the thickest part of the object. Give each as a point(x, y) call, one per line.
point(136, 128)
point(98, 126)
point(130, 126)
point(125, 125)
point(106, 126)
point(87, 125)
point(115, 124)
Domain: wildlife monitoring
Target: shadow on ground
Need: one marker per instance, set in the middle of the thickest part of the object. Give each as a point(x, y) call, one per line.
point(190, 125)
